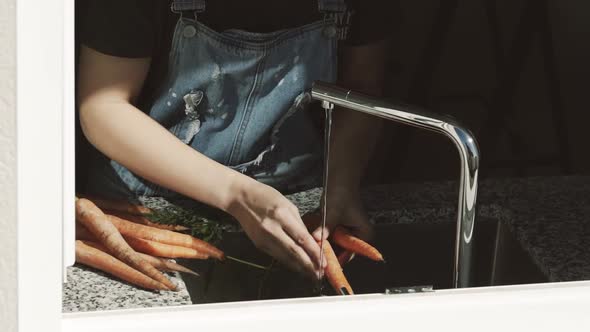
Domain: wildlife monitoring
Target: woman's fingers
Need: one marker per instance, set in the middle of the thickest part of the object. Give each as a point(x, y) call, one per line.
point(365, 232)
point(300, 235)
point(319, 235)
point(359, 225)
point(293, 255)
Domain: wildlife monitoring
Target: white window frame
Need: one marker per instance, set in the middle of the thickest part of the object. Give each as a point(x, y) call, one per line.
point(45, 158)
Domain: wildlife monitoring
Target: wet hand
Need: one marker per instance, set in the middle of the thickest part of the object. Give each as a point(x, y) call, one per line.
point(275, 227)
point(345, 208)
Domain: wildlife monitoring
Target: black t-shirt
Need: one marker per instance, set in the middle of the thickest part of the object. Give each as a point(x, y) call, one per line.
point(144, 28)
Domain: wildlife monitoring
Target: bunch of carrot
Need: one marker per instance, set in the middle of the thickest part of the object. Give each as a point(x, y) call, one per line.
point(349, 245)
point(115, 238)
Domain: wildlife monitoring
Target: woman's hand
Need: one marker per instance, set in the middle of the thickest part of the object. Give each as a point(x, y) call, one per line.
point(273, 223)
point(345, 208)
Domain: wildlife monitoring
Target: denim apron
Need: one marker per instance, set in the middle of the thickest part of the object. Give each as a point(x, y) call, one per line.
point(240, 98)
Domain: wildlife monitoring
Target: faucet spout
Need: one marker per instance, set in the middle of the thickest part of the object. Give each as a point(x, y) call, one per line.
point(463, 139)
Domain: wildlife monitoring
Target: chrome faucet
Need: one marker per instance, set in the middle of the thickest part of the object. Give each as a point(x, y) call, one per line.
point(331, 95)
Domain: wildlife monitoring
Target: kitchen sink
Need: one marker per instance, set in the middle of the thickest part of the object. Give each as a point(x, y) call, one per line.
point(417, 253)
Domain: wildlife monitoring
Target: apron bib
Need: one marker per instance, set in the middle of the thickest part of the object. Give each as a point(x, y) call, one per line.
point(240, 98)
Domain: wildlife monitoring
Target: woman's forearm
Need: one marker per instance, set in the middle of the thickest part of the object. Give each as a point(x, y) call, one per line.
point(130, 137)
point(355, 134)
point(353, 139)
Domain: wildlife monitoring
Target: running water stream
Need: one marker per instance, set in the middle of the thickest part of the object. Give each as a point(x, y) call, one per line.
point(324, 202)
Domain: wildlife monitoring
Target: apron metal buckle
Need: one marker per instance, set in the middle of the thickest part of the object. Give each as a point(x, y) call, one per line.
point(183, 12)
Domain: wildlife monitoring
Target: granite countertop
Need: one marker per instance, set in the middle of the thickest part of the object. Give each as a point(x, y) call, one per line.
point(550, 217)
point(88, 289)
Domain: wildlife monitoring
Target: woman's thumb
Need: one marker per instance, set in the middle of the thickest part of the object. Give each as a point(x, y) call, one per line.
point(318, 235)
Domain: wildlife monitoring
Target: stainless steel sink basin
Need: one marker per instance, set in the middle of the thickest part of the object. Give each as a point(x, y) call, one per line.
point(422, 254)
point(417, 252)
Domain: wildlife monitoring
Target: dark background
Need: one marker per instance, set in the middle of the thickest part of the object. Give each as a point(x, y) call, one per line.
point(514, 71)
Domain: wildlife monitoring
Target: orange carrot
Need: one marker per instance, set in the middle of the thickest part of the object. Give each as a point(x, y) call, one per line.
point(145, 221)
point(345, 257)
point(121, 206)
point(163, 250)
point(146, 246)
point(159, 263)
point(347, 241)
point(82, 233)
point(99, 225)
point(166, 237)
point(333, 271)
point(100, 260)
point(166, 265)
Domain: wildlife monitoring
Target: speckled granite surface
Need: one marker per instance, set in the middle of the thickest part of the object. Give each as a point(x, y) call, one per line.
point(90, 290)
point(550, 217)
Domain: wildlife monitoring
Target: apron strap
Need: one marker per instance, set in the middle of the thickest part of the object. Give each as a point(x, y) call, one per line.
point(196, 6)
point(324, 6)
point(332, 9)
